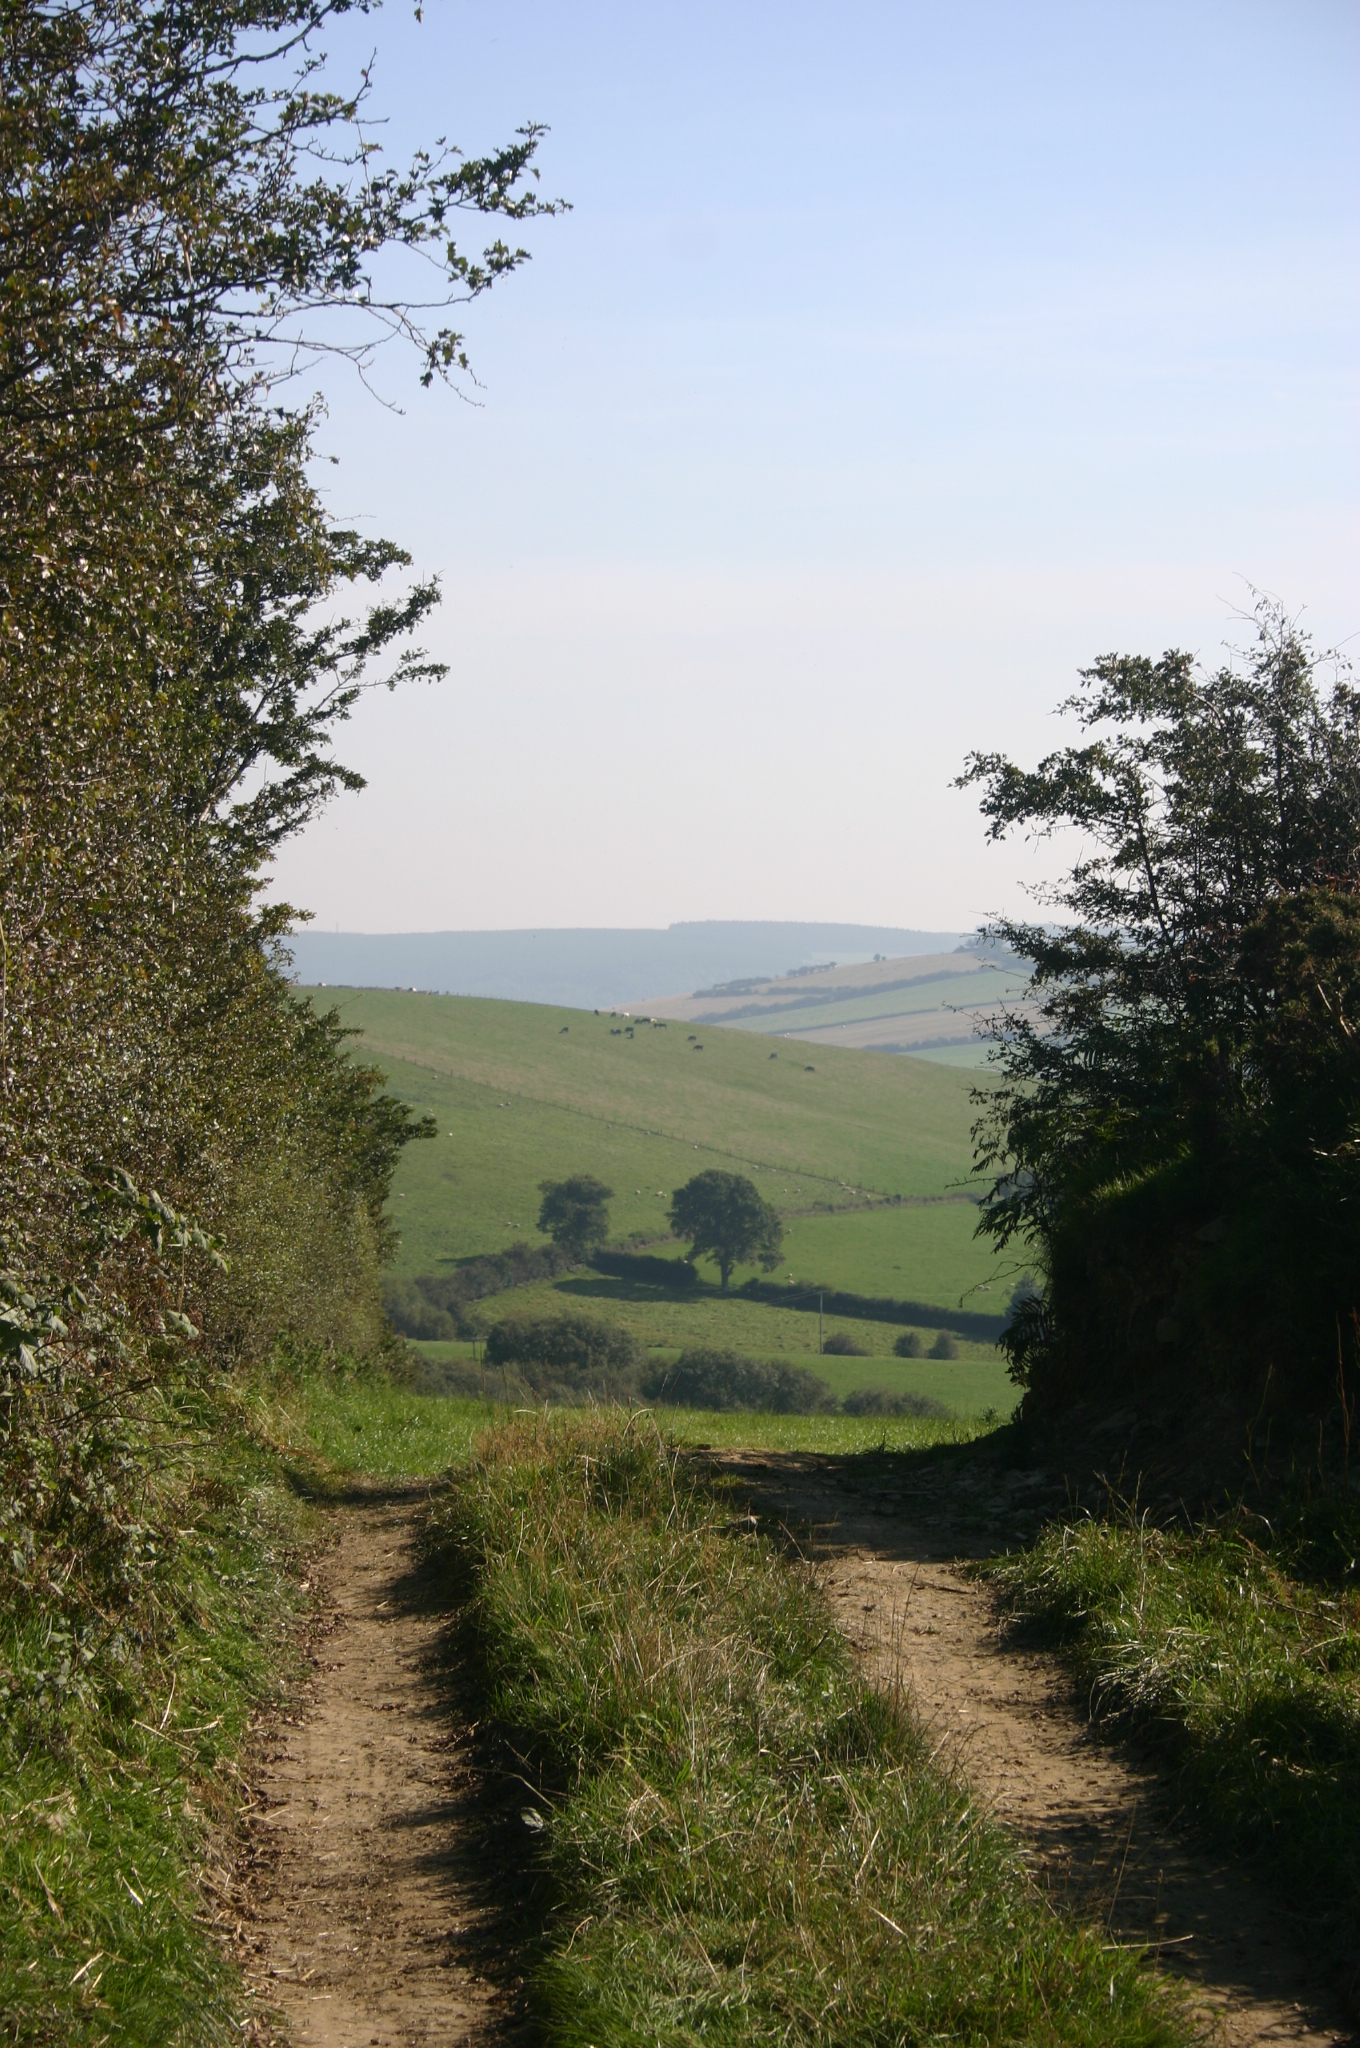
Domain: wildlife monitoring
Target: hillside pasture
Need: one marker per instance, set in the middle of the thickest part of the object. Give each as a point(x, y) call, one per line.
point(523, 1092)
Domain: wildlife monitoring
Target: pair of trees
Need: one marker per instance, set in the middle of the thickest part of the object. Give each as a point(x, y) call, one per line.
point(1177, 1132)
point(722, 1214)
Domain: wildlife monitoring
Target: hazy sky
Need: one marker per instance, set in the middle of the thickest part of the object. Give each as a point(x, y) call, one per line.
point(895, 361)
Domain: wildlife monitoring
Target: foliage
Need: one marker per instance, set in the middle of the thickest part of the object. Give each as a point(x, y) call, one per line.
point(180, 199)
point(738, 1840)
point(1238, 1645)
point(944, 1346)
point(726, 1379)
point(1176, 1132)
point(725, 1217)
point(574, 1212)
point(908, 1345)
point(839, 1345)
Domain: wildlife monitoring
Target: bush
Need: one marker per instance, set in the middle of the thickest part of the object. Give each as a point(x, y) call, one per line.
point(883, 1401)
point(944, 1346)
point(909, 1345)
point(838, 1345)
point(726, 1380)
point(575, 1345)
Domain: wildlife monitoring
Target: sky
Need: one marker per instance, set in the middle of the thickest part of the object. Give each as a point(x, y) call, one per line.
point(894, 362)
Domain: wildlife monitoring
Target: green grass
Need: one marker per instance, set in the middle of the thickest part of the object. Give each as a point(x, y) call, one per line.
point(833, 1435)
point(738, 1840)
point(1237, 1647)
point(376, 1431)
point(119, 1733)
point(518, 1099)
point(927, 1254)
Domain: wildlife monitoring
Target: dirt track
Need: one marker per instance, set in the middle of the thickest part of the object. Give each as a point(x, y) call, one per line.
point(368, 1926)
point(366, 1919)
point(1094, 1823)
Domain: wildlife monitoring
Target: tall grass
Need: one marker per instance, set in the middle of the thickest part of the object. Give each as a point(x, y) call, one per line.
point(742, 1842)
point(120, 1729)
point(1238, 1646)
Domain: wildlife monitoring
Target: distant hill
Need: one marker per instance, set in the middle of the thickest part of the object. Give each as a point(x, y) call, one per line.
point(930, 1004)
point(586, 967)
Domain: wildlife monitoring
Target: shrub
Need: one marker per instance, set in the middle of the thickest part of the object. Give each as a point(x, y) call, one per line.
point(944, 1346)
point(726, 1380)
point(838, 1345)
point(884, 1401)
point(574, 1344)
point(909, 1345)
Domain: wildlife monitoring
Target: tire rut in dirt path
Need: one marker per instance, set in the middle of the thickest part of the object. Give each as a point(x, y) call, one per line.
point(1094, 1824)
point(366, 1919)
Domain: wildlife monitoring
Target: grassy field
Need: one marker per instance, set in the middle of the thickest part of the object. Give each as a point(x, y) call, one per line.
point(659, 1318)
point(382, 1432)
point(968, 1386)
point(522, 1092)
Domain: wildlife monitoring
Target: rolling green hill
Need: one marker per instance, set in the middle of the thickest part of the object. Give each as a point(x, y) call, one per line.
point(856, 1149)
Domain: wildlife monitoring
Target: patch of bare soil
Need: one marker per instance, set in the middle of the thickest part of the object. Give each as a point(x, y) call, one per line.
point(365, 1921)
point(1096, 1822)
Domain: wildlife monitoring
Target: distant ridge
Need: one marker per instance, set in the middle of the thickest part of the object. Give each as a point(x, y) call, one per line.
point(592, 966)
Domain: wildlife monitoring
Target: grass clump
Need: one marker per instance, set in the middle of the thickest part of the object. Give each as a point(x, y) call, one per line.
point(739, 1840)
point(1236, 1644)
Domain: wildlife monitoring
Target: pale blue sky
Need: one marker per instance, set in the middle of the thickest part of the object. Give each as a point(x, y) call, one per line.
point(894, 361)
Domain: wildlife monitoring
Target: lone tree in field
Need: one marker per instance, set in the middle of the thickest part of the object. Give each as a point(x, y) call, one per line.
point(725, 1218)
point(574, 1212)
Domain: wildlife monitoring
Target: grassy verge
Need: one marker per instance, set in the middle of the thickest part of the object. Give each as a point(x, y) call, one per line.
point(742, 1841)
point(1238, 1645)
point(122, 1714)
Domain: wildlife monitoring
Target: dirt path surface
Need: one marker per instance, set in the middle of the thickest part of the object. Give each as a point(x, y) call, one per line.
point(366, 1921)
point(1094, 1823)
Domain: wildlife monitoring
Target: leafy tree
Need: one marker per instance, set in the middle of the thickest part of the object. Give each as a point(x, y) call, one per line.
point(726, 1219)
point(1177, 1131)
point(187, 213)
point(188, 218)
point(574, 1212)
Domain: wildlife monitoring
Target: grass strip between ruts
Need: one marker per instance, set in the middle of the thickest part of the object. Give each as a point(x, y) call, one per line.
point(741, 1841)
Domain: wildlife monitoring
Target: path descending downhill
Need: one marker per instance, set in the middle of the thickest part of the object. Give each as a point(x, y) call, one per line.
point(366, 1919)
point(1094, 1824)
